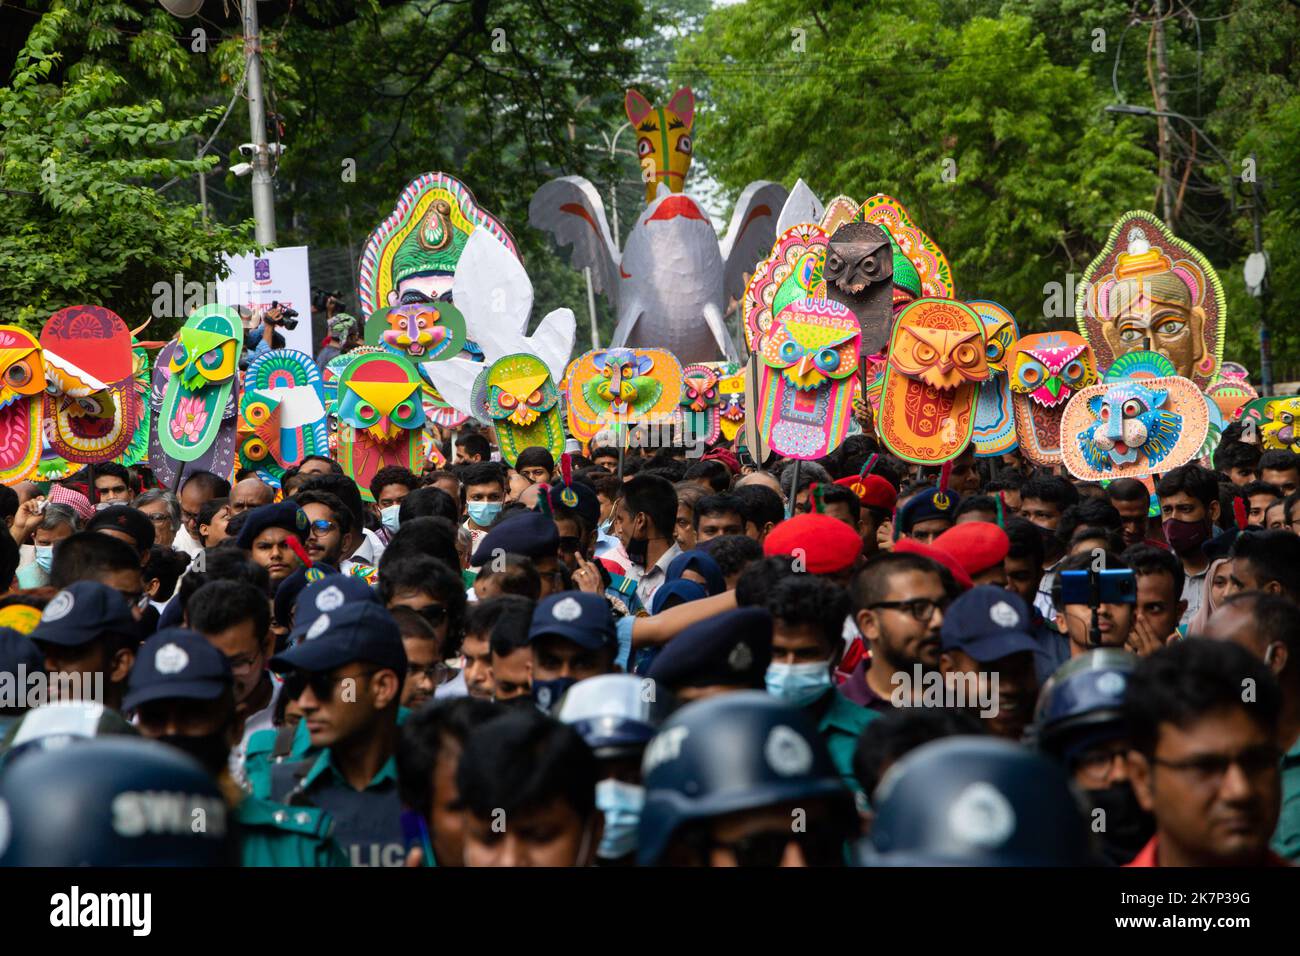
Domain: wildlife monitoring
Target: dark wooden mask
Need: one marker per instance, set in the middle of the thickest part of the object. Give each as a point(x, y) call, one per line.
point(859, 274)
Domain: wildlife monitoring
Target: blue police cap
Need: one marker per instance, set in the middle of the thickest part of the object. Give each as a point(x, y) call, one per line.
point(325, 595)
point(732, 649)
point(578, 497)
point(176, 663)
point(355, 632)
point(988, 623)
point(528, 533)
point(83, 611)
point(928, 504)
point(285, 514)
point(672, 593)
point(286, 595)
point(584, 619)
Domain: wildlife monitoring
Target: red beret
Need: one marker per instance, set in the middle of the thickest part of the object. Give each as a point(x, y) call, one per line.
point(725, 458)
point(912, 546)
point(872, 490)
point(826, 544)
point(978, 545)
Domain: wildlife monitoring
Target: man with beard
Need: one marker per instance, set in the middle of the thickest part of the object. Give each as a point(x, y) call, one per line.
point(987, 659)
point(1080, 721)
point(899, 602)
point(330, 536)
point(1189, 507)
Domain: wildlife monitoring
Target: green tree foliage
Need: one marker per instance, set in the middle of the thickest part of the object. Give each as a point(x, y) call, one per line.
point(80, 217)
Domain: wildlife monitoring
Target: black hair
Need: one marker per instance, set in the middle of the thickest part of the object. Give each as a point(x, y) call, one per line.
point(411, 623)
point(1127, 489)
point(420, 740)
point(428, 502)
point(480, 616)
point(1278, 460)
point(603, 451)
point(1274, 556)
point(523, 761)
point(670, 469)
point(872, 582)
point(518, 577)
point(109, 469)
point(712, 471)
point(481, 473)
point(1052, 489)
point(760, 578)
point(235, 524)
point(222, 604)
point(1091, 512)
point(88, 555)
point(1276, 622)
point(733, 552)
point(9, 554)
point(1252, 488)
point(335, 467)
point(222, 563)
point(1289, 503)
point(8, 502)
point(510, 630)
point(209, 483)
point(760, 505)
point(393, 475)
point(1237, 454)
point(1144, 559)
point(719, 505)
point(434, 577)
point(535, 456)
point(809, 599)
point(432, 537)
point(345, 489)
point(208, 510)
point(331, 501)
point(900, 731)
point(984, 503)
point(1111, 539)
point(1026, 541)
point(475, 444)
point(163, 565)
point(1188, 679)
point(1192, 480)
point(656, 497)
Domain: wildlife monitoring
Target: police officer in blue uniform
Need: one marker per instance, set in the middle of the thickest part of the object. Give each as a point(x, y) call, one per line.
point(725, 653)
point(88, 638)
point(352, 664)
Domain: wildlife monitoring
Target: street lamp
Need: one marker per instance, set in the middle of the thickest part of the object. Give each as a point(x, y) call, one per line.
point(1257, 264)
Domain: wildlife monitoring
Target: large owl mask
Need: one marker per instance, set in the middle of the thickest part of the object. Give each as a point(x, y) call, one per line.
point(1132, 428)
point(937, 360)
point(202, 370)
point(381, 417)
point(805, 391)
point(516, 396)
point(1045, 370)
point(22, 409)
point(282, 414)
point(90, 384)
point(995, 420)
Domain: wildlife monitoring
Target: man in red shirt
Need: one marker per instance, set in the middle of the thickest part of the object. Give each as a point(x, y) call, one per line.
point(1203, 720)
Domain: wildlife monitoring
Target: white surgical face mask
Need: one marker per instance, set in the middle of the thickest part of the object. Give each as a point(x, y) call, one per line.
point(799, 684)
point(388, 517)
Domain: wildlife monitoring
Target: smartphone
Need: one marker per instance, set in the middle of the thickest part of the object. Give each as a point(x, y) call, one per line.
point(1118, 586)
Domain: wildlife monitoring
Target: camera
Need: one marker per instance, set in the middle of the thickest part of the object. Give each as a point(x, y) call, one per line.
point(320, 298)
point(288, 317)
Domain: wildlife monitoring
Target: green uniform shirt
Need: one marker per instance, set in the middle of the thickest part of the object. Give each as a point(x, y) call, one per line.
point(1286, 838)
point(840, 726)
point(369, 824)
point(272, 834)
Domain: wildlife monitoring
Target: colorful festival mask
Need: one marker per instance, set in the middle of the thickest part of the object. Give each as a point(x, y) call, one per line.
point(137, 452)
point(937, 361)
point(219, 458)
point(1150, 291)
point(702, 402)
point(517, 396)
point(381, 417)
point(731, 414)
point(1281, 429)
point(1133, 428)
point(22, 406)
point(663, 139)
point(282, 414)
point(90, 384)
point(413, 254)
point(1231, 390)
point(202, 368)
point(610, 387)
point(859, 274)
point(805, 390)
point(1046, 369)
point(421, 331)
point(995, 419)
point(920, 267)
point(792, 271)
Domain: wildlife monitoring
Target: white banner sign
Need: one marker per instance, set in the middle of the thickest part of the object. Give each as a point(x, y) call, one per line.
point(278, 275)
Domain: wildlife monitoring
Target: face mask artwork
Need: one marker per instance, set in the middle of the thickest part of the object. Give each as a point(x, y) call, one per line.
point(995, 418)
point(1132, 428)
point(617, 388)
point(621, 803)
point(1046, 369)
point(381, 417)
point(22, 404)
point(799, 684)
point(281, 414)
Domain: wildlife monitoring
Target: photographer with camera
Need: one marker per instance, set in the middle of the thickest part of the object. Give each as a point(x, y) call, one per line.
point(260, 329)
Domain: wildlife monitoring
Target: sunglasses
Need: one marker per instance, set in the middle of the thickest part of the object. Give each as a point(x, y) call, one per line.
point(323, 526)
point(322, 683)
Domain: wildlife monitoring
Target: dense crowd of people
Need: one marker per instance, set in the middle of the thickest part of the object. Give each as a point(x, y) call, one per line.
point(659, 660)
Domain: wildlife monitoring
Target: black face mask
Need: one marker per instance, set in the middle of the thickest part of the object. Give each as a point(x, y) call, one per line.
point(638, 551)
point(211, 750)
point(568, 546)
point(1127, 826)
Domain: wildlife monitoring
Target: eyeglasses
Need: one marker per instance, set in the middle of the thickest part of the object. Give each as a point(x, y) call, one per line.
point(435, 614)
point(435, 672)
point(921, 609)
point(1209, 769)
point(323, 526)
point(1095, 766)
point(157, 518)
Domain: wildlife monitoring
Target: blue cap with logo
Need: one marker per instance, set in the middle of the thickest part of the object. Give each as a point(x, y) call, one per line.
point(83, 611)
point(325, 595)
point(176, 663)
point(988, 623)
point(284, 514)
point(732, 649)
point(528, 533)
point(286, 594)
point(354, 632)
point(576, 616)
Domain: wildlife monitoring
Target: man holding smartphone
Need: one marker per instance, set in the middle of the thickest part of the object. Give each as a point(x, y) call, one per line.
point(1074, 612)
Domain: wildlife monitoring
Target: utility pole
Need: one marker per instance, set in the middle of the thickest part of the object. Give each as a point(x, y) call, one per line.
point(1261, 289)
point(1162, 124)
point(263, 187)
point(203, 186)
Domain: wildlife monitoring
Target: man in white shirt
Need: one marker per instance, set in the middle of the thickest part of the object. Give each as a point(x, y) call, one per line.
point(644, 518)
